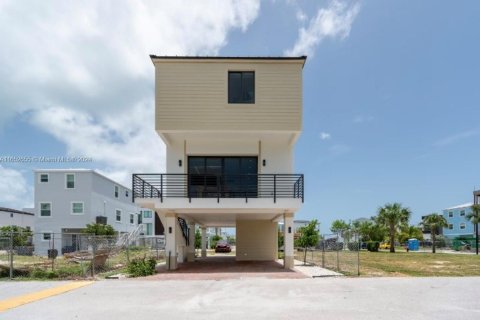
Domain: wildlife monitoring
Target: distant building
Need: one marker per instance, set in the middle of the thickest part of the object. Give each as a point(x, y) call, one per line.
point(297, 224)
point(152, 226)
point(67, 200)
point(13, 217)
point(458, 225)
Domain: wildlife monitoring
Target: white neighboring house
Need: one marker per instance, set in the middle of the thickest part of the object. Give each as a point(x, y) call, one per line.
point(66, 200)
point(230, 125)
point(151, 227)
point(13, 217)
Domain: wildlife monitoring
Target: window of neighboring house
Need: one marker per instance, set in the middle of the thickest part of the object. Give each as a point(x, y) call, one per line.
point(241, 87)
point(149, 229)
point(46, 236)
point(450, 226)
point(140, 216)
point(132, 218)
point(45, 209)
point(77, 207)
point(118, 215)
point(462, 226)
point(462, 213)
point(44, 177)
point(116, 191)
point(450, 214)
point(147, 214)
point(70, 181)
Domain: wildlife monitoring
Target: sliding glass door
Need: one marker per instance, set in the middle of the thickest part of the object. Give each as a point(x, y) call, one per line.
point(226, 177)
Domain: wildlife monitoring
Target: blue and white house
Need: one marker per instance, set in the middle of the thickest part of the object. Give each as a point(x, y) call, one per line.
point(458, 225)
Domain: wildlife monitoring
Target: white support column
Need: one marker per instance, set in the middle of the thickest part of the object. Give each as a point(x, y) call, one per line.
point(204, 242)
point(288, 241)
point(191, 243)
point(171, 240)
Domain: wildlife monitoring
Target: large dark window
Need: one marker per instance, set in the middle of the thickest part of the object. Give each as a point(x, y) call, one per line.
point(228, 177)
point(241, 87)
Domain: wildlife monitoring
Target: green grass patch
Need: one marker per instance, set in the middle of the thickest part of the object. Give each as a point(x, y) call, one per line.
point(418, 264)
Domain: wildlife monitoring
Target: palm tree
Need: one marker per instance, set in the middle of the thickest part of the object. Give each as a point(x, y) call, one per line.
point(474, 217)
point(434, 221)
point(393, 217)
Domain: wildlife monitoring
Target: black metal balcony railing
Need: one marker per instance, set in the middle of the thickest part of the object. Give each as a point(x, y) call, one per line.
point(190, 186)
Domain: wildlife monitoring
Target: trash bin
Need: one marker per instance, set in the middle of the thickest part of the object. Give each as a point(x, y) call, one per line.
point(413, 244)
point(52, 253)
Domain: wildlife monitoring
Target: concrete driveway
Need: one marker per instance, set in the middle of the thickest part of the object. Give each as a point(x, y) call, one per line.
point(261, 298)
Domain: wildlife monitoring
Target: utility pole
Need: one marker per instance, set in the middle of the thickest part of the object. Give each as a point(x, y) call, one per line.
point(476, 195)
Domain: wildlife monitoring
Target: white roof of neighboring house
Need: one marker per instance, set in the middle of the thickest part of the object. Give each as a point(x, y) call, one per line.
point(2, 209)
point(82, 170)
point(468, 204)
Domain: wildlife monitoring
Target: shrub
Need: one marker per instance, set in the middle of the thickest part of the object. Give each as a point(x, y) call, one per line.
point(141, 267)
point(69, 271)
point(373, 246)
point(43, 274)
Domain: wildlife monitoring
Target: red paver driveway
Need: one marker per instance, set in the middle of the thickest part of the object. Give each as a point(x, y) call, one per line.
point(225, 267)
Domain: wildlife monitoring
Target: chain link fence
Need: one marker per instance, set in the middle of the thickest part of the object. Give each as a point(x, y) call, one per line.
point(333, 253)
point(73, 255)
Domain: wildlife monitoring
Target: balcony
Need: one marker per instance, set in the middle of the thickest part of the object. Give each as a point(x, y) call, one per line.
point(191, 186)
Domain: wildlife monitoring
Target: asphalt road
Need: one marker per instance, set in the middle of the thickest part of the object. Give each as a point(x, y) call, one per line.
point(258, 298)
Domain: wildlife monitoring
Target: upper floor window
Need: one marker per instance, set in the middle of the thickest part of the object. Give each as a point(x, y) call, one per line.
point(450, 214)
point(241, 87)
point(462, 213)
point(70, 180)
point(45, 209)
point(77, 207)
point(118, 215)
point(116, 191)
point(44, 177)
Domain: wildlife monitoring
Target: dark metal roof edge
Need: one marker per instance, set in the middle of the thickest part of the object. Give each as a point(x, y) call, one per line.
point(304, 58)
point(16, 211)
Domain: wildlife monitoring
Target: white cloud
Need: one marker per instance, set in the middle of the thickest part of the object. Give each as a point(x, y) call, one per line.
point(14, 189)
point(120, 145)
point(325, 136)
point(81, 71)
point(335, 21)
point(301, 16)
point(362, 119)
point(94, 55)
point(456, 137)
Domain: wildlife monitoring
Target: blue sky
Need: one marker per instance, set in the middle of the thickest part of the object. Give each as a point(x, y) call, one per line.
point(391, 92)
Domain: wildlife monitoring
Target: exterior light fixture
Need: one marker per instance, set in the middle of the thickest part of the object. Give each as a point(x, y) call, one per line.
point(264, 162)
point(289, 229)
point(179, 163)
point(169, 229)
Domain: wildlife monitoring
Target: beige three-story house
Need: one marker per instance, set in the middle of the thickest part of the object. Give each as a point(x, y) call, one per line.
point(230, 125)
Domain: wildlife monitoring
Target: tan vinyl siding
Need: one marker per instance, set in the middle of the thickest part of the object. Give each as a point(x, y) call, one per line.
point(256, 240)
point(193, 95)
